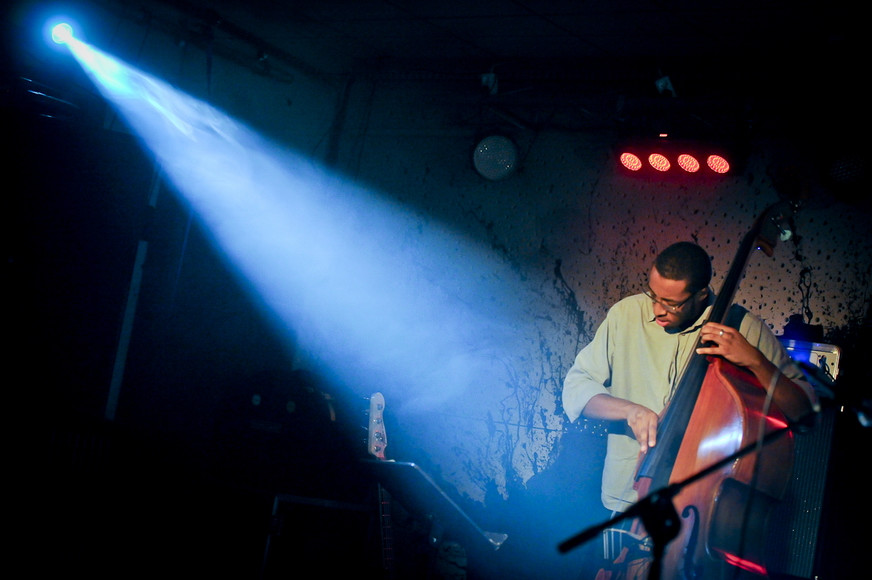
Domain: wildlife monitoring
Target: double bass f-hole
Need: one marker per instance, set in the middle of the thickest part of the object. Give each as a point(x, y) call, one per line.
point(691, 571)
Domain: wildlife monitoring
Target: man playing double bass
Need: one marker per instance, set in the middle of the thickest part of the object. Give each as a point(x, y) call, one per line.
point(630, 370)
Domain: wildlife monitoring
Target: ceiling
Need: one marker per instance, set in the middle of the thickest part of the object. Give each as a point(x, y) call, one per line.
point(777, 57)
point(507, 30)
point(503, 32)
point(725, 63)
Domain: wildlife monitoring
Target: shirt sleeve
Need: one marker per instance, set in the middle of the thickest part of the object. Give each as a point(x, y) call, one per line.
point(759, 335)
point(591, 371)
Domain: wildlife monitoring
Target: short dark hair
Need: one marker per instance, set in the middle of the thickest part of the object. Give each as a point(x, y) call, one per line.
point(685, 261)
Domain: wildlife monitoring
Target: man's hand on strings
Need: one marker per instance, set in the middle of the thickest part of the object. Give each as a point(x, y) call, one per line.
point(727, 342)
point(796, 401)
point(643, 422)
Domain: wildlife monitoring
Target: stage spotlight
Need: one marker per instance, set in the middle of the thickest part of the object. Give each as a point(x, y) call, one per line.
point(659, 162)
point(62, 33)
point(688, 163)
point(718, 164)
point(631, 161)
point(61, 30)
point(669, 157)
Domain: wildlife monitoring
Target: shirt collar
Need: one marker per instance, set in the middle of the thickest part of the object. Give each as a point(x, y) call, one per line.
point(703, 317)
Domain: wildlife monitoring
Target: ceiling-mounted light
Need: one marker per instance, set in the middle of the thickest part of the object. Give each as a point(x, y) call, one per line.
point(683, 157)
point(631, 161)
point(495, 157)
point(718, 164)
point(688, 162)
point(659, 162)
point(62, 33)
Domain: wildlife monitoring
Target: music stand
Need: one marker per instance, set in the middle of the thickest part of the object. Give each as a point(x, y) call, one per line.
point(420, 495)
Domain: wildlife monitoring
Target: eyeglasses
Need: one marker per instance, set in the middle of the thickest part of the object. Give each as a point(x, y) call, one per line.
point(669, 306)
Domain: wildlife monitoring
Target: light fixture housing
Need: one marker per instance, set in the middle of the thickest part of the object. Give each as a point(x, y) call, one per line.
point(495, 157)
point(666, 157)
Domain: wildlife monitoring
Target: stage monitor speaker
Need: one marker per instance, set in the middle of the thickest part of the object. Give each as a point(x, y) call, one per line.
point(796, 521)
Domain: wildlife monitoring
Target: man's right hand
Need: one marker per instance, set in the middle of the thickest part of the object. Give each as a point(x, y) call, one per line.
point(641, 420)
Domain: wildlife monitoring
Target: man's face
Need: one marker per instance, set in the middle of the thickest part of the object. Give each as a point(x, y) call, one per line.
point(675, 308)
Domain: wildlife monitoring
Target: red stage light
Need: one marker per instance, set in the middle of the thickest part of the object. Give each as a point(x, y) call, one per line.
point(659, 162)
point(718, 164)
point(688, 163)
point(631, 162)
point(663, 157)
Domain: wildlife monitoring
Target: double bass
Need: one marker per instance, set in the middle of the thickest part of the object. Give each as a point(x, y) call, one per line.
point(723, 459)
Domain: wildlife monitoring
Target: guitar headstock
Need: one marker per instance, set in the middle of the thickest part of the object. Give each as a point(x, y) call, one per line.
point(377, 438)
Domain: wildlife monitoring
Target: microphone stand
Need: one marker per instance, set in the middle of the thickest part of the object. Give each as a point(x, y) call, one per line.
point(657, 511)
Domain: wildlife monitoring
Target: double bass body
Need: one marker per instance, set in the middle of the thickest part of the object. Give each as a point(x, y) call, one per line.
point(724, 515)
point(718, 410)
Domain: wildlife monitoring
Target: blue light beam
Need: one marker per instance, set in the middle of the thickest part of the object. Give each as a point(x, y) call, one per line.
point(378, 297)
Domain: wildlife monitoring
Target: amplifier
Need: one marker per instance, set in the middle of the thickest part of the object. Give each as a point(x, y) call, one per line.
point(795, 523)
